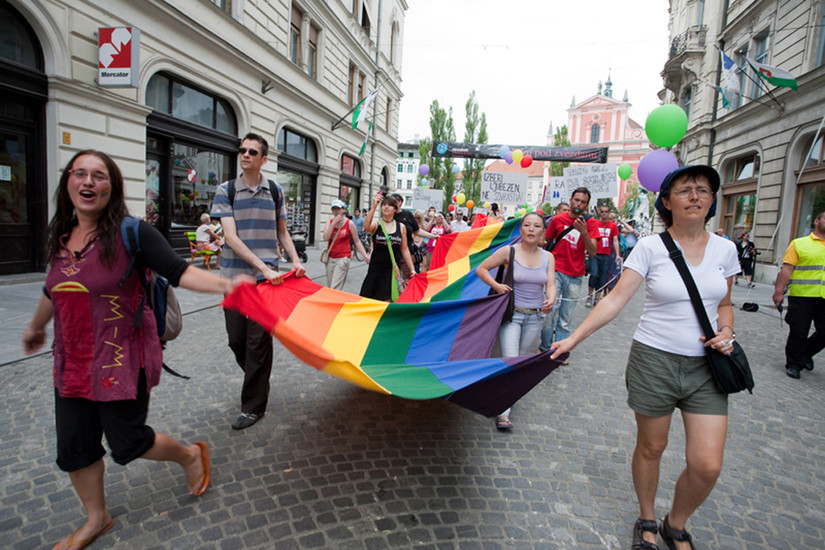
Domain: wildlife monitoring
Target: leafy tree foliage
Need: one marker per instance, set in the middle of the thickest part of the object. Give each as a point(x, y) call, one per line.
point(475, 131)
point(560, 139)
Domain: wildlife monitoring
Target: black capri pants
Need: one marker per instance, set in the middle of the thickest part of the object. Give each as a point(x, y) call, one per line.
point(81, 423)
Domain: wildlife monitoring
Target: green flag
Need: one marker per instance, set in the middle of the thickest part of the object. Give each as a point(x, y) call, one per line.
point(361, 110)
point(776, 76)
point(366, 137)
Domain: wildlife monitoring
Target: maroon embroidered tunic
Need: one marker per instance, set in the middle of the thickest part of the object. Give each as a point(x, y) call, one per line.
point(98, 353)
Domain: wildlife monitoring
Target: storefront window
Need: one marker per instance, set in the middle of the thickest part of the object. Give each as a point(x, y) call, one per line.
point(812, 187)
point(349, 185)
point(196, 174)
point(298, 196)
point(185, 102)
point(738, 196)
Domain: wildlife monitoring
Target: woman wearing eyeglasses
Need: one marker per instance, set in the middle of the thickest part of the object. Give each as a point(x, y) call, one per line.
point(667, 366)
point(104, 367)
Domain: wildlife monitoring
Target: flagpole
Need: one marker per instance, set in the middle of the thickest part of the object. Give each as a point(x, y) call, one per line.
point(375, 103)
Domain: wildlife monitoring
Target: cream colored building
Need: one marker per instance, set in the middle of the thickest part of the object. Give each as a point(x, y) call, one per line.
point(208, 72)
point(761, 143)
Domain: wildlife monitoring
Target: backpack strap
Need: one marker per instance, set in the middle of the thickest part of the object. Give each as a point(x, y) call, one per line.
point(273, 190)
point(131, 240)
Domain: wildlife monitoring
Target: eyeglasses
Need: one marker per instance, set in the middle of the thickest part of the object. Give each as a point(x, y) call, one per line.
point(252, 152)
point(97, 177)
point(685, 192)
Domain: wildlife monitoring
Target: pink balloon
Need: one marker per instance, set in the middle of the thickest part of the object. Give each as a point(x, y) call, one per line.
point(653, 168)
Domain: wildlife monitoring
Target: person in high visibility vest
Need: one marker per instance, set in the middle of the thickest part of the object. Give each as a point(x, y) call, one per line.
point(803, 271)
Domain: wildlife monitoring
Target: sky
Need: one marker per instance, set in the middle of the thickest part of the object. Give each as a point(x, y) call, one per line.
point(526, 60)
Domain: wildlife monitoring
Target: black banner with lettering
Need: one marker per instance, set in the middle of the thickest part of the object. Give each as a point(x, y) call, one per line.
point(539, 153)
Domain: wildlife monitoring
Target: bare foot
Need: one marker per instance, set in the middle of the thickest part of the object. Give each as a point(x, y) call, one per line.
point(197, 468)
point(87, 534)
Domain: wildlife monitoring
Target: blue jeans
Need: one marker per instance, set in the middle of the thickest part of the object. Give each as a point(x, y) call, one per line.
point(520, 337)
point(558, 322)
point(599, 267)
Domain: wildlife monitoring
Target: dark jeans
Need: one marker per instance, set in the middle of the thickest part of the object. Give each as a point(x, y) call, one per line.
point(800, 348)
point(252, 346)
point(599, 266)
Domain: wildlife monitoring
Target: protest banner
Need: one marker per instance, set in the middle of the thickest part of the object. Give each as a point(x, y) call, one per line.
point(503, 187)
point(423, 199)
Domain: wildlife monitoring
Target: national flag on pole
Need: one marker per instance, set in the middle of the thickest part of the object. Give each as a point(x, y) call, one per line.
point(366, 137)
point(730, 80)
point(361, 110)
point(776, 76)
point(725, 100)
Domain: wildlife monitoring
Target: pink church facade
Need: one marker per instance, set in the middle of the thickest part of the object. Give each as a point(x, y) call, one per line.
point(604, 120)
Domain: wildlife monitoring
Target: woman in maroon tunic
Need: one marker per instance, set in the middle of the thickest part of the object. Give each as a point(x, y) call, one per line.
point(104, 367)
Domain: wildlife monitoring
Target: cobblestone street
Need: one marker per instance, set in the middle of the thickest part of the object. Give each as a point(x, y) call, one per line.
point(334, 466)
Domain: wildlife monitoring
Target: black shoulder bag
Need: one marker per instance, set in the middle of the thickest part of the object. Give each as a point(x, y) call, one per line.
point(732, 373)
point(508, 280)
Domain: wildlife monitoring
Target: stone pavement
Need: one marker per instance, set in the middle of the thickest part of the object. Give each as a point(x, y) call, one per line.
point(334, 466)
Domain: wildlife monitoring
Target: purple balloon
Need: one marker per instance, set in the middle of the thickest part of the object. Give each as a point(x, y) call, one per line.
point(508, 157)
point(653, 168)
point(423, 169)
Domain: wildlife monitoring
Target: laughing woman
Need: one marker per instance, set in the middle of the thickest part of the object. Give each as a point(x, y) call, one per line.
point(667, 366)
point(104, 367)
point(534, 282)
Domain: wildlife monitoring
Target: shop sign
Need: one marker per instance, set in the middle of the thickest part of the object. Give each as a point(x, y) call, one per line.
point(118, 56)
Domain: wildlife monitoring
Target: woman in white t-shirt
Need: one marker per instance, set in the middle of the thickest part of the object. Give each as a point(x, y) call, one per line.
point(667, 366)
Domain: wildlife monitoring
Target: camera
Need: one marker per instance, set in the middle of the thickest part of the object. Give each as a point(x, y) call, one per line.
point(384, 190)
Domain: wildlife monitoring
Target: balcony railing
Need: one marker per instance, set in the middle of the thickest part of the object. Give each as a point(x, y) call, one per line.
point(693, 38)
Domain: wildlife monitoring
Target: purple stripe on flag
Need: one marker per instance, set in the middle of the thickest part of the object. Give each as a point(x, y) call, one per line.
point(480, 324)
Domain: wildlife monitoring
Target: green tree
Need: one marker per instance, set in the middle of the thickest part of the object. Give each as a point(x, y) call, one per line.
point(560, 139)
point(475, 131)
point(441, 174)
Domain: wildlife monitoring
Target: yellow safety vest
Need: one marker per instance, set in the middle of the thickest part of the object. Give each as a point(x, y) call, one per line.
point(808, 277)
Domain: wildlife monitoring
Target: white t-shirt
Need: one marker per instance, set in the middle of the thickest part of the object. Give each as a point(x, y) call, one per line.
point(669, 322)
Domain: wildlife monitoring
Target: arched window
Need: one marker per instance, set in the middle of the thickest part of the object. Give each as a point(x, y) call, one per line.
point(186, 102)
point(594, 134)
point(298, 175)
point(297, 145)
point(19, 44)
point(349, 185)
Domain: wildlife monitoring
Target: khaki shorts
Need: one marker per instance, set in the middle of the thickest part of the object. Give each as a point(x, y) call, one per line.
point(658, 382)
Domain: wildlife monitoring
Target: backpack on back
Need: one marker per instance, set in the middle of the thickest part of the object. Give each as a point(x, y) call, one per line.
point(157, 289)
point(273, 190)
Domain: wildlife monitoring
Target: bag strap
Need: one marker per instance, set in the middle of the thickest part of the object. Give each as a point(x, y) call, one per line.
point(394, 292)
point(273, 191)
point(695, 299)
point(560, 236)
point(329, 244)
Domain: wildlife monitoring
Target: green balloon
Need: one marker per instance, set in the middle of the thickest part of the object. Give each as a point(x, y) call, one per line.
point(666, 125)
point(625, 171)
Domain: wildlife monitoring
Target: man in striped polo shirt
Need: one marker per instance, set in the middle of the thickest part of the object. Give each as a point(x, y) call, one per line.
point(254, 222)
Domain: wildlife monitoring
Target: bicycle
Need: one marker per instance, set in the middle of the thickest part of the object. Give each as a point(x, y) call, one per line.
point(366, 240)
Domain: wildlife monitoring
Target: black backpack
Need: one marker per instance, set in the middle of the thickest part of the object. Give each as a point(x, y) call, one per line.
point(273, 190)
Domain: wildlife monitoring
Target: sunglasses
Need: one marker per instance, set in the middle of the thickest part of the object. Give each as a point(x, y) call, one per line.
point(252, 152)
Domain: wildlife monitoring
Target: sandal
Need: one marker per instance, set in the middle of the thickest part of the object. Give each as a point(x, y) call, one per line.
point(669, 534)
point(503, 423)
point(639, 542)
point(76, 544)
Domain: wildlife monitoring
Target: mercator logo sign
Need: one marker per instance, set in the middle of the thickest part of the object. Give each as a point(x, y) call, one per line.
point(118, 56)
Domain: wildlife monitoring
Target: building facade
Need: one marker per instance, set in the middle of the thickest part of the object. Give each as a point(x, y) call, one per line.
point(208, 72)
point(765, 143)
point(406, 171)
point(601, 119)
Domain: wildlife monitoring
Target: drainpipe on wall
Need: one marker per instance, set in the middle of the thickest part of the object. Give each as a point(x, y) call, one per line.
point(375, 102)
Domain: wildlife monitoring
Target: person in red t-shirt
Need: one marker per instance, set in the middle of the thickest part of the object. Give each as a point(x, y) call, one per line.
point(607, 237)
point(574, 234)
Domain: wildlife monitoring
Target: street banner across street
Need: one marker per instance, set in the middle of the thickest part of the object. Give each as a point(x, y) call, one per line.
point(543, 152)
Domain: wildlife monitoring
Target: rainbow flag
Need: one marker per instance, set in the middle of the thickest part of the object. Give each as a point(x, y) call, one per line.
point(452, 271)
point(412, 350)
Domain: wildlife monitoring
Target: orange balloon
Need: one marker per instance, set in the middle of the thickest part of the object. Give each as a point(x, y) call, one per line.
point(470, 204)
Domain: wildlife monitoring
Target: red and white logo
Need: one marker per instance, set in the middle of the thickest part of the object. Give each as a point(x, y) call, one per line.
point(118, 61)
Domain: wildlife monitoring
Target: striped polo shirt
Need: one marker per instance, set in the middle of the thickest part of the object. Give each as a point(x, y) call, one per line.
point(255, 218)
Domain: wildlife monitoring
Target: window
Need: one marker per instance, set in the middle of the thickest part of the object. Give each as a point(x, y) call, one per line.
point(312, 52)
point(351, 86)
point(183, 101)
point(223, 4)
point(739, 195)
point(296, 145)
point(760, 55)
point(741, 72)
point(389, 109)
point(594, 134)
point(398, 182)
point(19, 43)
point(409, 168)
point(350, 166)
point(365, 19)
point(409, 184)
point(686, 100)
point(811, 190)
point(362, 80)
point(349, 185)
point(295, 36)
point(819, 49)
point(400, 167)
